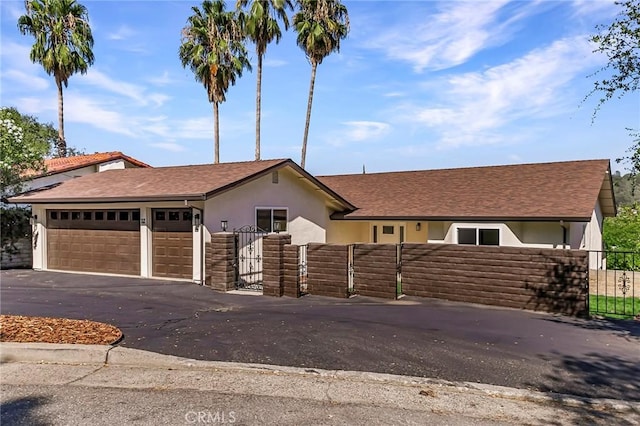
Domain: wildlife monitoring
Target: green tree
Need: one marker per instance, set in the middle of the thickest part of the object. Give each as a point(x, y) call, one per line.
point(24, 143)
point(632, 160)
point(320, 25)
point(622, 234)
point(620, 42)
point(212, 46)
point(63, 45)
point(261, 27)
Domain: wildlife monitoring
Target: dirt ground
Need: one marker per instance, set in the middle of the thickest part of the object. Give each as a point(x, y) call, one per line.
point(609, 282)
point(22, 329)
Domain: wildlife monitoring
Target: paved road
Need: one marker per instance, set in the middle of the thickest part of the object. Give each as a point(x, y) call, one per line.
point(412, 336)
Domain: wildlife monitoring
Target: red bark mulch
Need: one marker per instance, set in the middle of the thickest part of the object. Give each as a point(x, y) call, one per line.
point(16, 328)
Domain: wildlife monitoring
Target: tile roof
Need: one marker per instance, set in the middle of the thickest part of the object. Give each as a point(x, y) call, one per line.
point(164, 183)
point(545, 191)
point(65, 164)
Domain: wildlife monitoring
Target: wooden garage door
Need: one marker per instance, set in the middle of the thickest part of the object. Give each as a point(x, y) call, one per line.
point(172, 243)
point(104, 241)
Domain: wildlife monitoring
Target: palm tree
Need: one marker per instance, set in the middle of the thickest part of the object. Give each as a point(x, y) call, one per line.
point(63, 45)
point(320, 25)
point(212, 46)
point(261, 27)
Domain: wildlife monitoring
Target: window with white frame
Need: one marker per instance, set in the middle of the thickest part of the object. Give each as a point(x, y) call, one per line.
point(272, 219)
point(479, 236)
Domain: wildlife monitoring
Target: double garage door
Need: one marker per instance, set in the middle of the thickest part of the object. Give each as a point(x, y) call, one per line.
point(108, 241)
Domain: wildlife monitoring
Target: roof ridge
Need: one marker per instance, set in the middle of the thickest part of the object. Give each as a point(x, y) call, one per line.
point(495, 166)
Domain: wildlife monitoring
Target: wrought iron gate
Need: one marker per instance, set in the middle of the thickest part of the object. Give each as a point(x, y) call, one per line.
point(248, 257)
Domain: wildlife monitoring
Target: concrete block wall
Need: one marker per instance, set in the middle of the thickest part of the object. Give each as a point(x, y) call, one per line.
point(291, 271)
point(273, 269)
point(527, 278)
point(374, 270)
point(220, 253)
point(328, 270)
point(18, 256)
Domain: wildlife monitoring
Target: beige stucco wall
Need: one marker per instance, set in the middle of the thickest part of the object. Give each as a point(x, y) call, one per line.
point(513, 234)
point(354, 231)
point(308, 213)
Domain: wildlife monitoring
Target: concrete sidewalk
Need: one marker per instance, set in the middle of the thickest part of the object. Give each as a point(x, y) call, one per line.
point(41, 367)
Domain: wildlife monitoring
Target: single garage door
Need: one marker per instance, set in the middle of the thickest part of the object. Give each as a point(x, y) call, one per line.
point(172, 243)
point(106, 241)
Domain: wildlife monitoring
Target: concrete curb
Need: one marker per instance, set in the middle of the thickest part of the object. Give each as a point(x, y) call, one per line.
point(72, 354)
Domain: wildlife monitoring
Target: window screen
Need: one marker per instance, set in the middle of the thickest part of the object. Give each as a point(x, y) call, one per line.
point(263, 219)
point(489, 237)
point(387, 230)
point(467, 236)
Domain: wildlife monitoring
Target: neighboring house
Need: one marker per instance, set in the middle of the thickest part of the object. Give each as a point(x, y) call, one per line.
point(154, 222)
point(58, 170)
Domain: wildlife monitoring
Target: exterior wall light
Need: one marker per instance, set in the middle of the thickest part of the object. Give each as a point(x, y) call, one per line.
point(418, 226)
point(196, 221)
point(224, 224)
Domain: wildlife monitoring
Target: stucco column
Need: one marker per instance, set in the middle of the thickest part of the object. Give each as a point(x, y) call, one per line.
point(273, 264)
point(220, 274)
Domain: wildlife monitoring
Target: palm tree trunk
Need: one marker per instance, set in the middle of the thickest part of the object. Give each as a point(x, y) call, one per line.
point(314, 66)
point(216, 127)
point(61, 145)
point(258, 91)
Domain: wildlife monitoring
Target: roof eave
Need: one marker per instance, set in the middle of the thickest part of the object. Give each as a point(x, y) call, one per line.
point(100, 200)
point(347, 217)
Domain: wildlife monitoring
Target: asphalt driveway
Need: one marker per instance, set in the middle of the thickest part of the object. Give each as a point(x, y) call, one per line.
point(411, 336)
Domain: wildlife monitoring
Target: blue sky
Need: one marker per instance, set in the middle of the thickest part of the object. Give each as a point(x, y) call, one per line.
point(416, 85)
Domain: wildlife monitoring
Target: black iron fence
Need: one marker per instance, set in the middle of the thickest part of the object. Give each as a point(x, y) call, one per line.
point(614, 283)
point(248, 259)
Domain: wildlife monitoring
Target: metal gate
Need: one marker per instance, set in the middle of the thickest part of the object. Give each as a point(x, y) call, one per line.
point(248, 258)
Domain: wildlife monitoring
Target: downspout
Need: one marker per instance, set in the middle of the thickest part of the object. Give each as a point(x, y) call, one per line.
point(201, 231)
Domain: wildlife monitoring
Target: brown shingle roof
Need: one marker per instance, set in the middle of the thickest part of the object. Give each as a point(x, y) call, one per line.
point(546, 191)
point(59, 165)
point(165, 183)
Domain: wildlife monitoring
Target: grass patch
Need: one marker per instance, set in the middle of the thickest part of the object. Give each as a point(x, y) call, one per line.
point(614, 307)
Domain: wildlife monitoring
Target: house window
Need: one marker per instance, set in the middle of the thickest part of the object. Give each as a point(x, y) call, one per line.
point(111, 215)
point(135, 215)
point(54, 215)
point(387, 230)
point(86, 215)
point(479, 236)
point(174, 215)
point(64, 215)
point(123, 215)
point(99, 215)
point(271, 220)
point(75, 215)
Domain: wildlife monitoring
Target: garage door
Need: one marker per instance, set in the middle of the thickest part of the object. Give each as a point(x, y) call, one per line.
point(106, 241)
point(172, 243)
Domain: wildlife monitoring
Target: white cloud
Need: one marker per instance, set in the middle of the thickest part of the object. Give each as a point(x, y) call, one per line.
point(26, 79)
point(87, 110)
point(168, 146)
point(359, 131)
point(474, 107)
point(122, 33)
point(274, 63)
point(12, 10)
point(449, 37)
point(123, 88)
point(592, 7)
point(161, 80)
